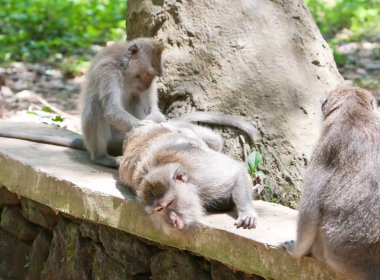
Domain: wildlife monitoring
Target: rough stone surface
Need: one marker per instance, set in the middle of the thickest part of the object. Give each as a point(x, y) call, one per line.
point(174, 265)
point(70, 256)
point(7, 197)
point(14, 257)
point(39, 214)
point(13, 222)
point(105, 267)
point(54, 176)
point(90, 231)
point(221, 272)
point(263, 60)
point(130, 252)
point(38, 255)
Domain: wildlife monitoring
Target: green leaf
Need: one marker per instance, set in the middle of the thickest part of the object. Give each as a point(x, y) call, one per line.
point(32, 113)
point(47, 110)
point(254, 159)
point(58, 119)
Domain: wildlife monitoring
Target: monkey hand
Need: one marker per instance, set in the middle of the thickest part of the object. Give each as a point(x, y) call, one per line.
point(290, 247)
point(246, 220)
point(156, 117)
point(145, 122)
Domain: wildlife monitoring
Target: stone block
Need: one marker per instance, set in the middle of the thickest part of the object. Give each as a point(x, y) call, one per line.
point(173, 265)
point(105, 267)
point(222, 272)
point(125, 249)
point(38, 255)
point(90, 230)
point(70, 256)
point(38, 213)
point(14, 223)
point(14, 257)
point(7, 197)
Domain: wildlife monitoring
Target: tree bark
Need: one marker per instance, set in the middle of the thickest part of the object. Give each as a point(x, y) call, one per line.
point(264, 60)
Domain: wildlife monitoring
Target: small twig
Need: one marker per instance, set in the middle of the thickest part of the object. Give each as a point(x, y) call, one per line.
point(55, 109)
point(245, 153)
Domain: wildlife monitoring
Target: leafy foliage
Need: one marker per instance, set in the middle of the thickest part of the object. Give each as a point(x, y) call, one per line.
point(46, 116)
point(360, 17)
point(41, 30)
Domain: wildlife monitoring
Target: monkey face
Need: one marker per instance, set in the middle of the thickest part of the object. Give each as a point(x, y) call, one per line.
point(145, 63)
point(170, 199)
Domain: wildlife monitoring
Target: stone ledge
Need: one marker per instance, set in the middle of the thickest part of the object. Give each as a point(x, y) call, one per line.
point(66, 181)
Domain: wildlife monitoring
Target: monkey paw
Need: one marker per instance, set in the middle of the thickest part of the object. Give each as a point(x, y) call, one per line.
point(156, 117)
point(288, 245)
point(246, 221)
point(146, 122)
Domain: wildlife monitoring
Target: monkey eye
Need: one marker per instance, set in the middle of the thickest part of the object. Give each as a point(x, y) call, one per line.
point(158, 209)
point(170, 203)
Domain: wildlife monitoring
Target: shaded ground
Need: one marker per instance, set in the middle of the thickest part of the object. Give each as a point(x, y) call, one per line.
point(26, 88)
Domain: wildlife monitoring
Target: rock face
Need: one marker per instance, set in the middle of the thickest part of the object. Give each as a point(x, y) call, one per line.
point(263, 60)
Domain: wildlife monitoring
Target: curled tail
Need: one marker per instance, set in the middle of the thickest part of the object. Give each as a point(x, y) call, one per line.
point(222, 119)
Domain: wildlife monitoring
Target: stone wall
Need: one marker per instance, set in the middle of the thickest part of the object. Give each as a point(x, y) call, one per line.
point(66, 218)
point(36, 243)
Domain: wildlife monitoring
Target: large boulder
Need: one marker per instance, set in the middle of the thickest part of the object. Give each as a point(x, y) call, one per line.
point(263, 60)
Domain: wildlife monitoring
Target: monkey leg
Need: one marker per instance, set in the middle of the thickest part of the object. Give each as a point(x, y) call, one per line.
point(308, 222)
point(96, 133)
point(241, 196)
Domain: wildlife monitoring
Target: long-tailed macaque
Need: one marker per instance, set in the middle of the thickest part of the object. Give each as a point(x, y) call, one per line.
point(179, 175)
point(339, 215)
point(119, 92)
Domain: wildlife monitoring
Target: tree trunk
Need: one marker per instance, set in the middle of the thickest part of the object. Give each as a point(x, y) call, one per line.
point(264, 60)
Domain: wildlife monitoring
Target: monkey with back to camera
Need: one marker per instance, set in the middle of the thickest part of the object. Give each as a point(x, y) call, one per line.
point(178, 177)
point(119, 92)
point(339, 215)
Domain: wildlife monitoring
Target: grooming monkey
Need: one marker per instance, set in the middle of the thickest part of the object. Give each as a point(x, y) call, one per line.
point(119, 92)
point(178, 177)
point(339, 215)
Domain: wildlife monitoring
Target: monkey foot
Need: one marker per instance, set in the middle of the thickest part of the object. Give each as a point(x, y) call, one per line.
point(108, 161)
point(246, 221)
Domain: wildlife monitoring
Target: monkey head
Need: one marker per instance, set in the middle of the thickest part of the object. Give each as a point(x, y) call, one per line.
point(144, 62)
point(172, 202)
point(347, 101)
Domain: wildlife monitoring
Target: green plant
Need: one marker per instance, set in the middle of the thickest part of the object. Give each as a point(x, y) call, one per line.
point(47, 116)
point(253, 161)
point(360, 17)
point(40, 30)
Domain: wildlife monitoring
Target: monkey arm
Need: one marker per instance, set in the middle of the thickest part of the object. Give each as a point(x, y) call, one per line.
point(155, 113)
point(115, 114)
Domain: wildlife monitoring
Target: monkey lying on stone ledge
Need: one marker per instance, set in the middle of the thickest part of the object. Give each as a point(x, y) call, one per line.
point(178, 174)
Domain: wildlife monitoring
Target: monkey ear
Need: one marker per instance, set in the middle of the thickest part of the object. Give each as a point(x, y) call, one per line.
point(180, 176)
point(134, 49)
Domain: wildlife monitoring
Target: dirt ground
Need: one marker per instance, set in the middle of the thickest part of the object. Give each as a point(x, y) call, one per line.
point(26, 89)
